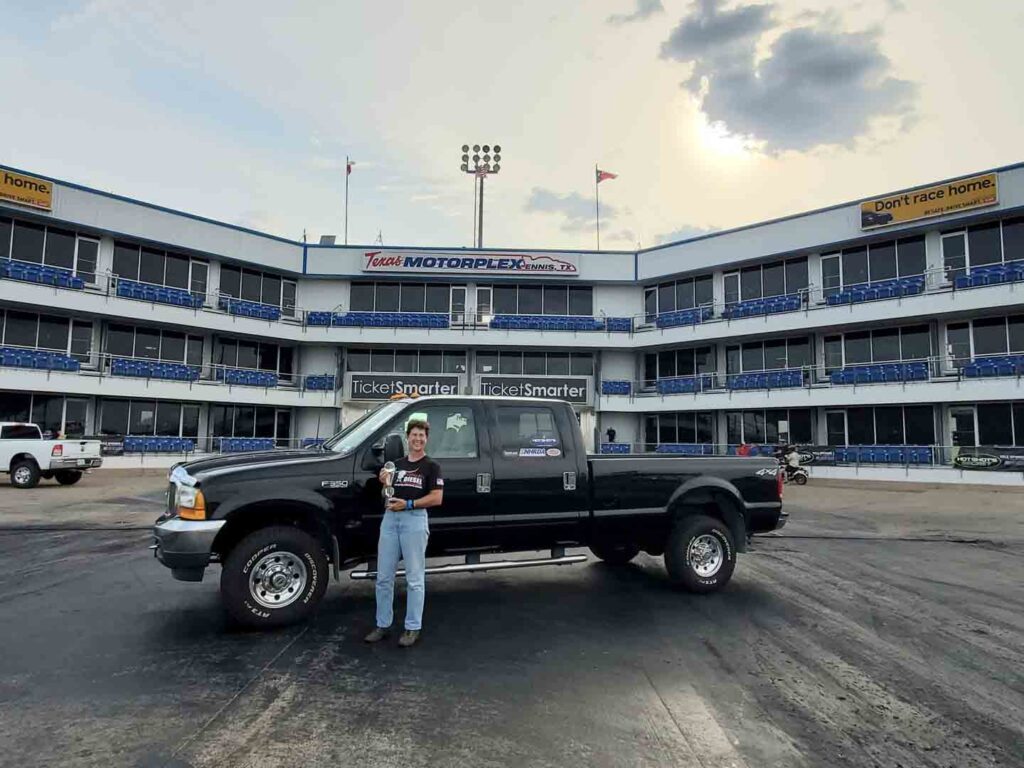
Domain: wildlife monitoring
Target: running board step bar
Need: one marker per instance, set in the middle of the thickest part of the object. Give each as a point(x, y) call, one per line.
point(469, 566)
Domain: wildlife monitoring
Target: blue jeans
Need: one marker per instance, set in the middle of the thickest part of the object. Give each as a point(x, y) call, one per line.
point(402, 534)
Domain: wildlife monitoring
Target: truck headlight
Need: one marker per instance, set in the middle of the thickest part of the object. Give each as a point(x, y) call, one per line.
point(190, 503)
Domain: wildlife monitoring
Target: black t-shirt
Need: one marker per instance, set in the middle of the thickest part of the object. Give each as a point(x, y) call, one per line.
point(415, 479)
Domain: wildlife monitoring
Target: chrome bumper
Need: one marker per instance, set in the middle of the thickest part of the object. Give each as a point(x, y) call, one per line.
point(90, 463)
point(185, 546)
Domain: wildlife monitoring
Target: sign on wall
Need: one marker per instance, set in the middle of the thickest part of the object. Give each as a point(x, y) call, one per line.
point(975, 192)
point(381, 386)
point(463, 263)
point(26, 190)
point(572, 389)
point(990, 457)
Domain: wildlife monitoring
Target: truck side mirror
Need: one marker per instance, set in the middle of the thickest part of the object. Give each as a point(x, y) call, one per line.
point(394, 448)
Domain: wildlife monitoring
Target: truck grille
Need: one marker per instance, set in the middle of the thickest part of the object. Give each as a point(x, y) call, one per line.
point(170, 498)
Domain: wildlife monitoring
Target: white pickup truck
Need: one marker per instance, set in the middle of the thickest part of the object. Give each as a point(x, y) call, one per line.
point(27, 457)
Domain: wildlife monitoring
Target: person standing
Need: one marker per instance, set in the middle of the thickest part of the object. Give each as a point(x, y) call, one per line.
point(404, 532)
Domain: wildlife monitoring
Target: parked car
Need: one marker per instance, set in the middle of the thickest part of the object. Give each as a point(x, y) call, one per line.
point(27, 457)
point(517, 479)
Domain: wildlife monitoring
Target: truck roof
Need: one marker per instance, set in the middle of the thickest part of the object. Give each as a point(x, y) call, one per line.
point(479, 397)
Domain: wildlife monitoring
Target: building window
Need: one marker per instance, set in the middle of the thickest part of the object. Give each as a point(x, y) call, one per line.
point(55, 414)
point(692, 427)
point(253, 285)
point(678, 294)
point(536, 363)
point(148, 418)
point(883, 425)
point(769, 426)
point(232, 353)
point(400, 297)
point(405, 361)
point(691, 361)
point(872, 263)
point(250, 421)
point(154, 344)
point(880, 346)
point(158, 267)
point(55, 334)
point(769, 355)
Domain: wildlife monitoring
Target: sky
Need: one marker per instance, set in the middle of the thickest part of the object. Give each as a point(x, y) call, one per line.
point(713, 114)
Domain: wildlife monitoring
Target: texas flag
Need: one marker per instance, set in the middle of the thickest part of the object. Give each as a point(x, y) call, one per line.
point(602, 175)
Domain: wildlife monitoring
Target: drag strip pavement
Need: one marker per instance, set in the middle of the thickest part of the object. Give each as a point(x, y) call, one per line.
point(822, 652)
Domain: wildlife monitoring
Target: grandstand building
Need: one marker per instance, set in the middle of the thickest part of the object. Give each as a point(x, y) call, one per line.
point(886, 330)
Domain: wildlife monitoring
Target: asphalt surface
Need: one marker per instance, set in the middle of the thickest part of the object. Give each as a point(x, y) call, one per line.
point(882, 628)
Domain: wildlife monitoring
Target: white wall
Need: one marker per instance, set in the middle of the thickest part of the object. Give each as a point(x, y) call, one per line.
point(618, 300)
point(618, 364)
point(313, 422)
point(317, 360)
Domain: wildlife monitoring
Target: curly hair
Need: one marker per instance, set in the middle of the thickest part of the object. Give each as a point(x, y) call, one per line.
point(417, 424)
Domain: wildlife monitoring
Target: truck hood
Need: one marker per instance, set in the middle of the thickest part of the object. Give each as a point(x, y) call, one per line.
point(243, 462)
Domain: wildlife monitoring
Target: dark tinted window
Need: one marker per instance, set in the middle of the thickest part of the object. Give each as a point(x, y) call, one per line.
point(14, 406)
point(176, 271)
point(581, 301)
point(81, 340)
point(251, 286)
point(126, 261)
point(1018, 423)
point(582, 364)
point(858, 348)
point(1013, 239)
point(20, 329)
point(800, 426)
point(172, 346)
point(666, 298)
point(413, 297)
point(527, 427)
point(200, 277)
point(194, 351)
point(121, 340)
point(248, 354)
point(920, 425)
point(916, 343)
point(382, 361)
point(74, 418)
point(486, 362)
point(147, 343)
point(994, 425)
point(990, 336)
point(361, 298)
point(168, 419)
point(889, 425)
point(88, 253)
point(21, 432)
point(511, 362)
point(910, 255)
point(556, 300)
point(530, 301)
point(358, 360)
point(288, 298)
point(775, 354)
point(534, 363)
point(705, 428)
point(405, 361)
point(438, 297)
point(142, 417)
point(855, 266)
point(667, 428)
point(60, 248)
point(750, 283)
point(47, 414)
point(860, 425)
point(1016, 333)
point(455, 362)
point(231, 281)
point(558, 363)
point(984, 245)
point(753, 357)
point(505, 300)
point(387, 297)
point(5, 238)
point(28, 242)
point(114, 417)
point(271, 291)
point(684, 362)
point(954, 255)
point(265, 422)
point(732, 359)
point(796, 275)
point(684, 294)
point(245, 421)
point(799, 353)
point(753, 427)
point(666, 364)
point(151, 267)
point(774, 279)
point(703, 290)
point(266, 357)
point(704, 359)
point(885, 345)
point(882, 261)
point(53, 333)
point(190, 421)
point(959, 340)
point(830, 279)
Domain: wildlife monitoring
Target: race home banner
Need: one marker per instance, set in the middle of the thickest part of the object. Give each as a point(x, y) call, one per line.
point(26, 190)
point(463, 263)
point(975, 192)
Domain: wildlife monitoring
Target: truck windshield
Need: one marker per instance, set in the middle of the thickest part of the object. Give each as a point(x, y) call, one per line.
point(352, 436)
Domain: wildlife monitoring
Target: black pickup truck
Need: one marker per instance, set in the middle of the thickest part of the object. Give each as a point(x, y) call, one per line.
point(517, 479)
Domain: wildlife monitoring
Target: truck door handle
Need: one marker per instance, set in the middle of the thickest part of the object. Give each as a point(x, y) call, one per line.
point(483, 482)
point(568, 481)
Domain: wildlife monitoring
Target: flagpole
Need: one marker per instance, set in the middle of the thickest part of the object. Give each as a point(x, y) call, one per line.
point(348, 172)
point(597, 205)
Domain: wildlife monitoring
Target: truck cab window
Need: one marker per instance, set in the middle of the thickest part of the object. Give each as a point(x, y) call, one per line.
point(452, 430)
point(528, 431)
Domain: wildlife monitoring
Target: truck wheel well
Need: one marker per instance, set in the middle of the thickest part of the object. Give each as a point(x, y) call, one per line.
point(717, 504)
point(251, 518)
point(20, 457)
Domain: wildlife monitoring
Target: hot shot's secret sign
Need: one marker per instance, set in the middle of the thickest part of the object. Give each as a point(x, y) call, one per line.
point(461, 263)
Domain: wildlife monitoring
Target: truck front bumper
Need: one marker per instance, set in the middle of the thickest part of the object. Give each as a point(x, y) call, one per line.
point(70, 463)
point(185, 546)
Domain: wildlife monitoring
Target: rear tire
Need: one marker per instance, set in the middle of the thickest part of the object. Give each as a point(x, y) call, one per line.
point(67, 476)
point(801, 479)
point(25, 474)
point(274, 577)
point(615, 554)
point(701, 555)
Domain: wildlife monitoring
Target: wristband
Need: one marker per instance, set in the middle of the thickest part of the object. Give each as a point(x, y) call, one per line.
point(408, 504)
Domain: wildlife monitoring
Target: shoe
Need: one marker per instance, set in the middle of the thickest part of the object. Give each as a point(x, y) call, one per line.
point(409, 637)
point(378, 634)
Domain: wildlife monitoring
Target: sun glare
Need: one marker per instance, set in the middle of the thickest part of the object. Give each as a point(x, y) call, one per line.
point(716, 138)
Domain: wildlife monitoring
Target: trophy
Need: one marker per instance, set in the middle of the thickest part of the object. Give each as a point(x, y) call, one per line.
point(389, 478)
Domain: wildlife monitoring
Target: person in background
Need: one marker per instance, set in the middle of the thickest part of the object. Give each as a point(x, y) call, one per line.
point(792, 458)
point(611, 434)
point(404, 532)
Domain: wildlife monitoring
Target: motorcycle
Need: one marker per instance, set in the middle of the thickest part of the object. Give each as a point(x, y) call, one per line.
point(797, 475)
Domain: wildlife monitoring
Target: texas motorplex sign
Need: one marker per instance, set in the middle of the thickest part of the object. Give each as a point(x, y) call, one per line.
point(26, 190)
point(373, 386)
point(975, 192)
point(572, 389)
point(463, 263)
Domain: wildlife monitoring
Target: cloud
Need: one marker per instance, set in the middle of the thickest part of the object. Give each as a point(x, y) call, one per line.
point(576, 210)
point(816, 86)
point(644, 9)
point(685, 232)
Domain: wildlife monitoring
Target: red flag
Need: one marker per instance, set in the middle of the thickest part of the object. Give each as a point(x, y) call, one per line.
point(348, 167)
point(602, 175)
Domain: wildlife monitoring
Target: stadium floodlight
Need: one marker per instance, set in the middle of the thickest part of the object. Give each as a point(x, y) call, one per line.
point(480, 164)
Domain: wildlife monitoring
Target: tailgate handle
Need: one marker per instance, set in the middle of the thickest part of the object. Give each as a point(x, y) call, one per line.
point(483, 482)
point(569, 481)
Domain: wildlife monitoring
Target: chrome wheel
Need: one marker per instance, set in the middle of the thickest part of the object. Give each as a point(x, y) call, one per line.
point(22, 475)
point(705, 555)
point(278, 579)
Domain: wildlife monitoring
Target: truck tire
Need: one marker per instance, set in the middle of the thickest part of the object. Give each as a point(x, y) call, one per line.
point(273, 577)
point(25, 474)
point(67, 476)
point(615, 554)
point(700, 556)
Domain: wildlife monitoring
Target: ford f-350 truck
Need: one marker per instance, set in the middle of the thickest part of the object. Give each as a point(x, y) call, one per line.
point(517, 479)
